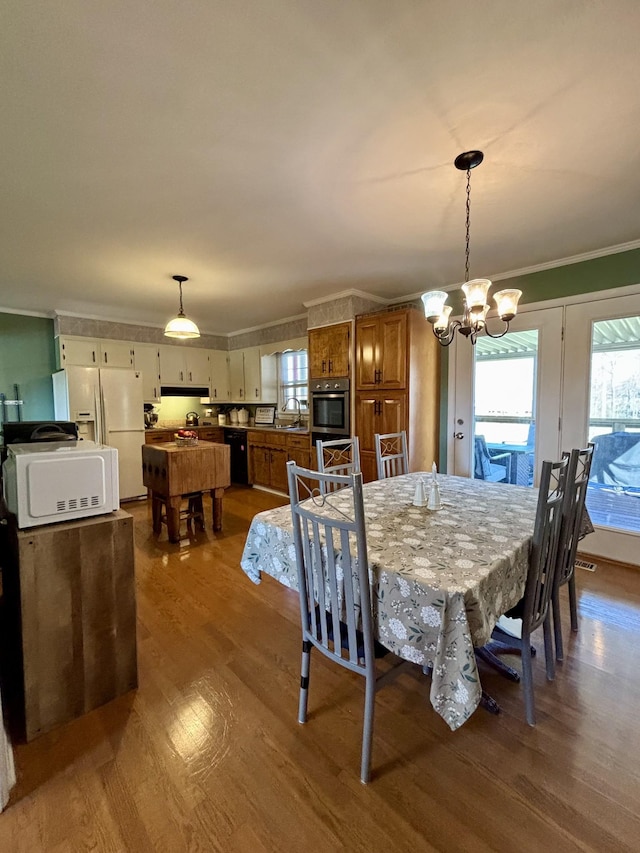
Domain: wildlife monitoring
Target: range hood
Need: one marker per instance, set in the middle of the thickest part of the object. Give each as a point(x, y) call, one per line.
point(183, 391)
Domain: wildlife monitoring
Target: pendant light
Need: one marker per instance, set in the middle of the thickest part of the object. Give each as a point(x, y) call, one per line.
point(181, 327)
point(474, 318)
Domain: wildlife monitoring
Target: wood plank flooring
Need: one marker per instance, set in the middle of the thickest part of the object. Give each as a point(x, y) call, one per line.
point(207, 754)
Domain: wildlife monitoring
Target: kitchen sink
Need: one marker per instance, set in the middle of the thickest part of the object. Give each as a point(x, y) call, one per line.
point(287, 426)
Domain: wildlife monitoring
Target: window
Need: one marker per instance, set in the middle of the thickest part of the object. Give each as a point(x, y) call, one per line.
point(293, 376)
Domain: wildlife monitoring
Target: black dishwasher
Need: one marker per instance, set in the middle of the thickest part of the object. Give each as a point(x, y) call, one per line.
point(237, 441)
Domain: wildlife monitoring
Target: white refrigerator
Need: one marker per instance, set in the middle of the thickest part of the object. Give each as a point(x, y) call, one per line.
point(107, 404)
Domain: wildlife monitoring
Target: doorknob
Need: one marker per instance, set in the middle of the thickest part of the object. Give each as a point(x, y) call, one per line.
point(458, 435)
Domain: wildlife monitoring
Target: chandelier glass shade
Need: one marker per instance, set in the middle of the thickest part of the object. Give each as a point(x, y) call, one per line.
point(181, 327)
point(476, 291)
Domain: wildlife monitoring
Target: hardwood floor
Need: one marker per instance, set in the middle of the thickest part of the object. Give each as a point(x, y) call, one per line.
point(207, 754)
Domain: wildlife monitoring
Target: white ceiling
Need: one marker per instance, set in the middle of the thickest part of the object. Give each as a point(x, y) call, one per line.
point(276, 151)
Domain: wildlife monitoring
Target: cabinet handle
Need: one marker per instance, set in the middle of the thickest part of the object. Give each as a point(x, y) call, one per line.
point(93, 356)
point(105, 358)
point(324, 366)
point(155, 391)
point(330, 366)
point(181, 376)
point(190, 377)
point(257, 394)
point(215, 393)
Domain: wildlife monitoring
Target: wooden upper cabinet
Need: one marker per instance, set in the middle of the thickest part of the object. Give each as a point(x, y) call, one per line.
point(329, 351)
point(381, 351)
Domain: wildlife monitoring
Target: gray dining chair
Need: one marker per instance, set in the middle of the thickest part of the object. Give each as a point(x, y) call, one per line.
point(534, 608)
point(340, 457)
point(496, 468)
point(391, 454)
point(333, 583)
point(578, 473)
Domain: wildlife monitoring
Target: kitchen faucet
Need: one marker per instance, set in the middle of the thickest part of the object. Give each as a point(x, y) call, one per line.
point(298, 419)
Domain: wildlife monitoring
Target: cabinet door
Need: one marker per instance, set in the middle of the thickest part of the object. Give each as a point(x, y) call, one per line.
point(317, 353)
point(116, 353)
point(259, 465)
point(392, 352)
point(337, 349)
point(393, 413)
point(236, 375)
point(367, 353)
point(173, 365)
point(219, 369)
point(278, 472)
point(84, 352)
point(197, 367)
point(252, 376)
point(147, 361)
point(367, 420)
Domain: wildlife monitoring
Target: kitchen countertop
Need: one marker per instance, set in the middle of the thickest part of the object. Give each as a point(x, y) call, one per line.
point(303, 430)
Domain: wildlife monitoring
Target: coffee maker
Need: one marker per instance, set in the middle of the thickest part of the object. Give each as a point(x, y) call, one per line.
point(150, 417)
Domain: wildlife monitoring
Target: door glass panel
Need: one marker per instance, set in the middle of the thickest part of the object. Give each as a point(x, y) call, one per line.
point(613, 494)
point(505, 380)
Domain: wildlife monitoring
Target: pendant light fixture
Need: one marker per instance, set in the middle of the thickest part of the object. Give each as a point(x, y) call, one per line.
point(181, 327)
point(474, 318)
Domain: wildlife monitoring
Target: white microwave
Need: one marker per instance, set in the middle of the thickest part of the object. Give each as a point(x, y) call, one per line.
point(50, 481)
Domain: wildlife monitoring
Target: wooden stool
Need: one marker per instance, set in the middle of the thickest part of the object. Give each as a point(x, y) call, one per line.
point(169, 512)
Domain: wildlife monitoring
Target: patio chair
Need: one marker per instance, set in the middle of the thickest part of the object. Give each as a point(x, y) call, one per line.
point(496, 469)
point(534, 608)
point(333, 582)
point(572, 512)
point(339, 457)
point(391, 454)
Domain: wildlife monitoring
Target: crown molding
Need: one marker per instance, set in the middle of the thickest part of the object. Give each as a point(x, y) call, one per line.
point(345, 294)
point(48, 315)
point(265, 325)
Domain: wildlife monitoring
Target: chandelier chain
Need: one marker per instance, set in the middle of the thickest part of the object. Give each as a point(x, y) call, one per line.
point(466, 264)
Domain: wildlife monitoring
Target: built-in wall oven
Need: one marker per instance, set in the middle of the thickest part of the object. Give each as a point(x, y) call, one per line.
point(330, 404)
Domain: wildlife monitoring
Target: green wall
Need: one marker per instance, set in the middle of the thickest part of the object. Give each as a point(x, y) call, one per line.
point(27, 358)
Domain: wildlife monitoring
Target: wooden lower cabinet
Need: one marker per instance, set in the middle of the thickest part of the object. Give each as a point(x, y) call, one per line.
point(377, 413)
point(69, 633)
point(269, 453)
point(158, 435)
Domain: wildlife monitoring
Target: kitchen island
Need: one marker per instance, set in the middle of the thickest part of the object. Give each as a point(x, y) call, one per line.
point(171, 471)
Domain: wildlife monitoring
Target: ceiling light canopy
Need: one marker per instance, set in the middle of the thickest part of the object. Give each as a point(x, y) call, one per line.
point(474, 318)
point(181, 327)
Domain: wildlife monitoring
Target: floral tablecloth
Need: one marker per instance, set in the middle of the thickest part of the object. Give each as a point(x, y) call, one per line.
point(441, 579)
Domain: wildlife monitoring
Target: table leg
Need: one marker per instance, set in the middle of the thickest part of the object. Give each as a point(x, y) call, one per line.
point(156, 512)
point(173, 518)
point(216, 502)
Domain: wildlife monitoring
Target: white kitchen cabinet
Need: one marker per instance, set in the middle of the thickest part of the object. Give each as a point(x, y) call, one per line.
point(147, 361)
point(94, 352)
point(116, 353)
point(184, 366)
point(219, 370)
point(236, 375)
point(84, 352)
point(252, 375)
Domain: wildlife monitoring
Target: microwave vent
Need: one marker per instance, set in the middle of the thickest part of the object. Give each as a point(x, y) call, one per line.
point(75, 503)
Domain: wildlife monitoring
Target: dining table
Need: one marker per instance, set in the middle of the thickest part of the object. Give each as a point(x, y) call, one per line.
point(440, 579)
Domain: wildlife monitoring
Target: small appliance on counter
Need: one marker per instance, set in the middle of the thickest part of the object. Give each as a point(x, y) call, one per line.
point(222, 419)
point(192, 419)
point(150, 417)
point(233, 417)
point(48, 481)
point(243, 417)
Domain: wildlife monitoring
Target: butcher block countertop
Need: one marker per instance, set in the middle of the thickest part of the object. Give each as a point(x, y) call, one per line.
point(177, 470)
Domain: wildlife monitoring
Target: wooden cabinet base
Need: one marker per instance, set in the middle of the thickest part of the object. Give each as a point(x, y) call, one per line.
point(70, 619)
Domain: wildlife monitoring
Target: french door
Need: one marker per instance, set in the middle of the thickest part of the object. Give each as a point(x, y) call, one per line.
point(601, 403)
point(585, 387)
point(506, 395)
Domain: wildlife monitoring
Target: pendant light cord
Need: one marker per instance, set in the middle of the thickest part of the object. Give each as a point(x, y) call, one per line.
point(466, 265)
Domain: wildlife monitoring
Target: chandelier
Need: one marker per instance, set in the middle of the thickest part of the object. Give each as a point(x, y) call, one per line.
point(474, 317)
point(181, 327)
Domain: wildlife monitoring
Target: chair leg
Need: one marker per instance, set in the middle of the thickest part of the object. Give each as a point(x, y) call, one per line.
point(548, 648)
point(304, 681)
point(512, 644)
point(573, 604)
point(527, 686)
point(367, 731)
point(557, 624)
